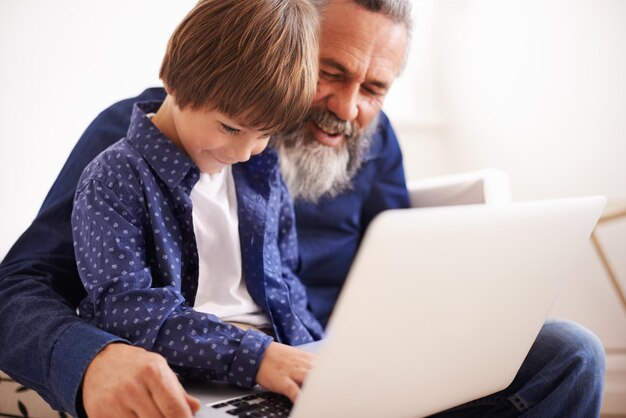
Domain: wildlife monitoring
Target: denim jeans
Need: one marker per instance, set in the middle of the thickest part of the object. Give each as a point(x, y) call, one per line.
point(562, 376)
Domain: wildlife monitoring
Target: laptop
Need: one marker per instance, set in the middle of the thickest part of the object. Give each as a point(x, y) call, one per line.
point(440, 307)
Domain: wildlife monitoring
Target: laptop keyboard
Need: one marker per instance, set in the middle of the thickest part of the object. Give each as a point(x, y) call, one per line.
point(261, 405)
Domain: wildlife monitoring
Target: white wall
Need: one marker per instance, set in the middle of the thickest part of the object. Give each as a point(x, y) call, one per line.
point(63, 62)
point(539, 88)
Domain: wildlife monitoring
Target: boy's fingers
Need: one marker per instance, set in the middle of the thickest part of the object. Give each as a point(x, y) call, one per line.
point(291, 390)
point(299, 374)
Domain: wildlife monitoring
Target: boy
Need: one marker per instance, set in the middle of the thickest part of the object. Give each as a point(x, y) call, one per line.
point(174, 245)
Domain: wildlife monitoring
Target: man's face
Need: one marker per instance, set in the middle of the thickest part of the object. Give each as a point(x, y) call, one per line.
point(361, 54)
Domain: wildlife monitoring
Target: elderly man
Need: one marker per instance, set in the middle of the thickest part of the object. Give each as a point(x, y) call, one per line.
point(343, 167)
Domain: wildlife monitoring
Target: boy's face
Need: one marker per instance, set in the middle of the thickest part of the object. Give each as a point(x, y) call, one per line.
point(213, 140)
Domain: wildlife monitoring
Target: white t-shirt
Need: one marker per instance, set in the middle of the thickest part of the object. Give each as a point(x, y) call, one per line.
point(221, 287)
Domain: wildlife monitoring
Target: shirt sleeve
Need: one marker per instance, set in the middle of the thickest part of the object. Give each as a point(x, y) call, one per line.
point(45, 346)
point(288, 248)
point(112, 240)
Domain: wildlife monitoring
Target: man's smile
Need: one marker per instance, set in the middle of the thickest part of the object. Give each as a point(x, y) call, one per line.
point(330, 139)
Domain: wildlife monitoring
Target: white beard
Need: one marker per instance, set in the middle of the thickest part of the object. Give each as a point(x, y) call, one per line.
point(313, 170)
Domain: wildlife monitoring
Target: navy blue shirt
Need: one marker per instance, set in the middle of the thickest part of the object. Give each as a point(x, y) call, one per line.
point(45, 346)
point(137, 257)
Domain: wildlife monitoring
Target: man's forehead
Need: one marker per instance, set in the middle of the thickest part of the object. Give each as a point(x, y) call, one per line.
point(360, 40)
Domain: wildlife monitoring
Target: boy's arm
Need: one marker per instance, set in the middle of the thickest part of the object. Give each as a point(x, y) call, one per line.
point(111, 240)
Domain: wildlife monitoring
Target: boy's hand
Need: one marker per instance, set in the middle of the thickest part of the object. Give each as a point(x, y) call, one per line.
point(127, 381)
point(283, 369)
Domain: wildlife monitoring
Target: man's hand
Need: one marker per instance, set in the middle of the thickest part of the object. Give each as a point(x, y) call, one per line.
point(125, 381)
point(283, 369)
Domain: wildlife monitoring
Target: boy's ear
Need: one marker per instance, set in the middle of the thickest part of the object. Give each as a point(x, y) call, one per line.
point(167, 88)
point(170, 92)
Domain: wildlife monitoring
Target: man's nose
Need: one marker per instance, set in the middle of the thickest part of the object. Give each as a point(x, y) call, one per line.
point(343, 102)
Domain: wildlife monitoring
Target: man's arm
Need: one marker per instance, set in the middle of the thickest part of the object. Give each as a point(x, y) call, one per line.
point(45, 345)
point(133, 382)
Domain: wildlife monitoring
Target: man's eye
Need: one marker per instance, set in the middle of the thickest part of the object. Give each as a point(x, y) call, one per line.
point(229, 130)
point(374, 92)
point(330, 76)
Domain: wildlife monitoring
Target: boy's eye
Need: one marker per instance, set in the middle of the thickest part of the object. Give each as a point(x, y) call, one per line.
point(229, 130)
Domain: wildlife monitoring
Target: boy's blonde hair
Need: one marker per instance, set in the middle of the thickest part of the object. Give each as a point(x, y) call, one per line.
point(254, 60)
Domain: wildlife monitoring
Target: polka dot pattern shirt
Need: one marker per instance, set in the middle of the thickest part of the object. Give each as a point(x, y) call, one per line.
point(137, 257)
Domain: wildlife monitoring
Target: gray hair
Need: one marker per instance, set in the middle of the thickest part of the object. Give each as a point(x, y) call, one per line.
point(397, 10)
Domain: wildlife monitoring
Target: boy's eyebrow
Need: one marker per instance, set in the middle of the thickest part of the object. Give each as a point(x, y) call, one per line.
point(332, 63)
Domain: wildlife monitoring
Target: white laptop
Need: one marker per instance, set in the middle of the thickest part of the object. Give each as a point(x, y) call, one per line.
point(440, 307)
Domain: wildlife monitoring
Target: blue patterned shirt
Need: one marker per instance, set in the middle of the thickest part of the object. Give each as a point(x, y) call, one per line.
point(137, 257)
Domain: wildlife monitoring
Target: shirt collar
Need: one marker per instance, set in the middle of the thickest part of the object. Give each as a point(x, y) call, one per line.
point(168, 161)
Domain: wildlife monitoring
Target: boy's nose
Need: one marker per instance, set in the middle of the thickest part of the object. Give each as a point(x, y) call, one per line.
point(242, 153)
